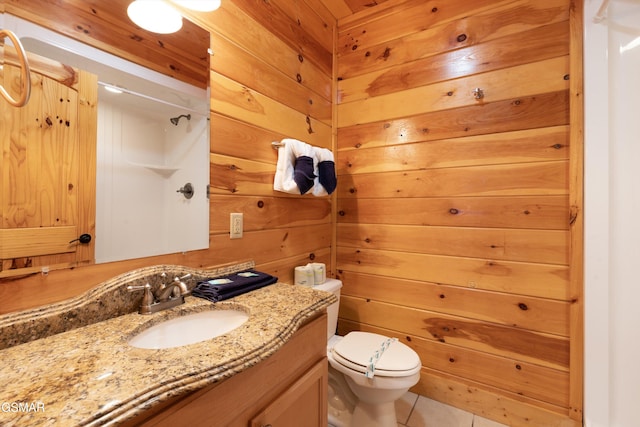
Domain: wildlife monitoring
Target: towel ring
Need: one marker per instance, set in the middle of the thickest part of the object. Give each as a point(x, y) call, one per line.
point(25, 76)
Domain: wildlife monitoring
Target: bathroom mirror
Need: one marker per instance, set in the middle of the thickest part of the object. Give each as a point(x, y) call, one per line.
point(152, 140)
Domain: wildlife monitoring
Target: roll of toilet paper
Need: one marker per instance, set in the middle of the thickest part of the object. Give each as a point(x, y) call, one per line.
point(319, 272)
point(304, 276)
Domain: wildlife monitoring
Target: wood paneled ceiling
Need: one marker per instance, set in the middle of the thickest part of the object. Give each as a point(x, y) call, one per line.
point(343, 8)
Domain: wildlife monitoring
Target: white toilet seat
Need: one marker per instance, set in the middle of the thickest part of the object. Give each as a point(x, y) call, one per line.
point(356, 350)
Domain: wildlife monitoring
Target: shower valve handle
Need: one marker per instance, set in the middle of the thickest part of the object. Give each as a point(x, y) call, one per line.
point(187, 191)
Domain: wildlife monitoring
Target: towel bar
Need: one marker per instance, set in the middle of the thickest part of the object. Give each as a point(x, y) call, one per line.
point(277, 144)
point(25, 76)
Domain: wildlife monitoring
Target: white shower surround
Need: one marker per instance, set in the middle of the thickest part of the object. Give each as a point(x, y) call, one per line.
point(143, 160)
point(612, 205)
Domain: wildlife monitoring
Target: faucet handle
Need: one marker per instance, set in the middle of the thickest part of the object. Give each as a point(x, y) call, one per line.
point(183, 287)
point(147, 298)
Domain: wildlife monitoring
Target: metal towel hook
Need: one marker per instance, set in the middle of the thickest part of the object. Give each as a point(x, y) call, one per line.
point(25, 76)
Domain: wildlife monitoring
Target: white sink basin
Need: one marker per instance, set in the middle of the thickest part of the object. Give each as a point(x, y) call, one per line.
point(189, 329)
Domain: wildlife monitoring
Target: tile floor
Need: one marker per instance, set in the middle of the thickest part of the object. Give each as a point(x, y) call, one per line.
point(418, 411)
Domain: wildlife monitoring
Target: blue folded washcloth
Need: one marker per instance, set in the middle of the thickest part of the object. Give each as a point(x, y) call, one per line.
point(303, 173)
point(327, 175)
point(225, 287)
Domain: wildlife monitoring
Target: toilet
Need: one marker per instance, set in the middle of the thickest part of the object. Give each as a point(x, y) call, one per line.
point(367, 372)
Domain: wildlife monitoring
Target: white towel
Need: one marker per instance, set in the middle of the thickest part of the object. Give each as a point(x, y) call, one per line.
point(288, 151)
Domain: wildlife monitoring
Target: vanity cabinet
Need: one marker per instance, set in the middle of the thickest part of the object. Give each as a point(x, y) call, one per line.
point(305, 400)
point(289, 388)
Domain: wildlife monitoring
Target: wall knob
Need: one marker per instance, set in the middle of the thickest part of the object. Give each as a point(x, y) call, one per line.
point(84, 238)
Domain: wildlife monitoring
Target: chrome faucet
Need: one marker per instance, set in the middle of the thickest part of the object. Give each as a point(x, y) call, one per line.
point(166, 297)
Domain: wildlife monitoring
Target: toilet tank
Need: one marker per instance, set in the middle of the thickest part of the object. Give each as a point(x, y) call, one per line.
point(333, 286)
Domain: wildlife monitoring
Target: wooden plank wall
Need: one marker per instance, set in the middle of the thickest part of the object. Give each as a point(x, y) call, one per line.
point(453, 225)
point(270, 78)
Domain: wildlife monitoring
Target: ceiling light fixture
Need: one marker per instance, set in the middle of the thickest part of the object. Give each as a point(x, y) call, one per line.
point(199, 5)
point(155, 16)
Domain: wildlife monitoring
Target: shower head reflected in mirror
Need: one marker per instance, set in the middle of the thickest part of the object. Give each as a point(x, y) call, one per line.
point(176, 120)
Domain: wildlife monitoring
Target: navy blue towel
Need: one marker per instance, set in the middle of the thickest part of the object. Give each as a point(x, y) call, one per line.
point(327, 175)
point(303, 173)
point(225, 287)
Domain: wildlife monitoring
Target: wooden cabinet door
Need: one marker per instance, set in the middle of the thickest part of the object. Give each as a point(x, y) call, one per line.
point(302, 404)
point(47, 181)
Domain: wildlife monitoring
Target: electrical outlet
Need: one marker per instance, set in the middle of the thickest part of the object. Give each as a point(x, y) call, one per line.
point(235, 226)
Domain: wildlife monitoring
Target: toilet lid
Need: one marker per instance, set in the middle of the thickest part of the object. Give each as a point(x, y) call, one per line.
point(356, 350)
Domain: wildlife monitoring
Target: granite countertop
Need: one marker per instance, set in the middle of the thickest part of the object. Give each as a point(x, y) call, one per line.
point(91, 376)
